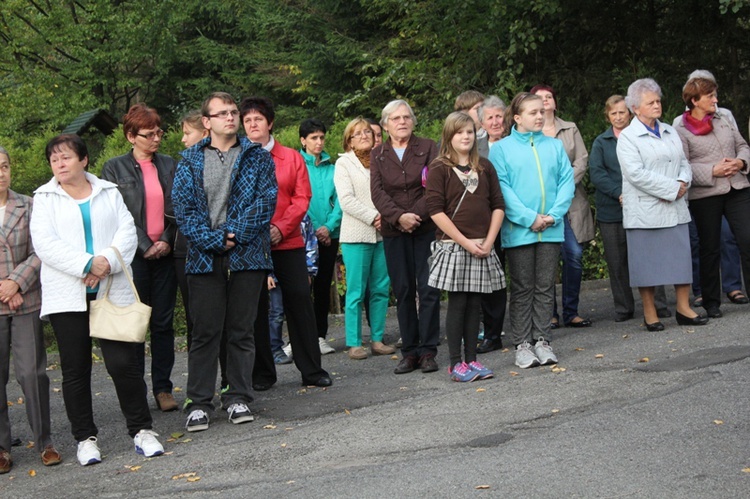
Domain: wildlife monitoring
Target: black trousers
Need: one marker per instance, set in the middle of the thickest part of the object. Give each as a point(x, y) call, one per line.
point(290, 269)
point(321, 286)
point(406, 256)
point(707, 213)
point(493, 304)
point(121, 360)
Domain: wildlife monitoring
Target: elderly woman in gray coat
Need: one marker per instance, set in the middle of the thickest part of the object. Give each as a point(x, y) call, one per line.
point(718, 156)
point(656, 177)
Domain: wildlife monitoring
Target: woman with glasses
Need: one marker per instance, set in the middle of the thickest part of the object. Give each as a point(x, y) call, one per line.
point(361, 242)
point(144, 178)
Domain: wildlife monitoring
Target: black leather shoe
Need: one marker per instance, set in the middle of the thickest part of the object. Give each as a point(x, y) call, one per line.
point(427, 363)
point(407, 365)
point(698, 320)
point(487, 346)
point(262, 387)
point(582, 323)
point(713, 312)
point(323, 382)
point(623, 317)
point(655, 326)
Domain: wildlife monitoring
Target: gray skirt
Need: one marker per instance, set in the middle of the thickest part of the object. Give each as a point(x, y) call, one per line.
point(452, 268)
point(659, 256)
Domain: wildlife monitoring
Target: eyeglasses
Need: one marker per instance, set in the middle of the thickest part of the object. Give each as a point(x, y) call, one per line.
point(152, 135)
point(225, 114)
point(367, 132)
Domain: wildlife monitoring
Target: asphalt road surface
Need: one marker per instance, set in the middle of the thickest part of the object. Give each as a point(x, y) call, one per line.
point(626, 413)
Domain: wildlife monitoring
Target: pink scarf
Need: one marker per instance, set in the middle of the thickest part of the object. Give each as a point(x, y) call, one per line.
point(698, 127)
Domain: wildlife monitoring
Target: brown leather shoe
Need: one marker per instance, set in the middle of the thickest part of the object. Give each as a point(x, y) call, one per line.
point(407, 365)
point(50, 456)
point(166, 402)
point(380, 348)
point(5, 461)
point(427, 363)
point(357, 353)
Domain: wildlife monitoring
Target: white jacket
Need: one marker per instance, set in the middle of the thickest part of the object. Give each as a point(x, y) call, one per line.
point(60, 243)
point(352, 181)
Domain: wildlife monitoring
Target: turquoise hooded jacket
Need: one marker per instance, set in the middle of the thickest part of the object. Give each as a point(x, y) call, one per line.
point(536, 177)
point(324, 205)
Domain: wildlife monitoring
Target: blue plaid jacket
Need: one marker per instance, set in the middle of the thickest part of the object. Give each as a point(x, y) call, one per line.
point(252, 202)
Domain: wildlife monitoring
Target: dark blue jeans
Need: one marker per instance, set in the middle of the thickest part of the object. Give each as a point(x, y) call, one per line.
point(156, 283)
point(572, 272)
point(276, 318)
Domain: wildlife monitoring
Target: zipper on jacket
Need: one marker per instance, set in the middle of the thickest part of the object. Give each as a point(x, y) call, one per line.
point(541, 179)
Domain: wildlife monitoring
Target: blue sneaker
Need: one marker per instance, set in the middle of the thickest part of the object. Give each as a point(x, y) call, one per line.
point(461, 373)
point(482, 371)
point(281, 358)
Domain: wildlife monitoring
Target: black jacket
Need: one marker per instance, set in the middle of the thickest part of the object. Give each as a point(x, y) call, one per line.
point(126, 173)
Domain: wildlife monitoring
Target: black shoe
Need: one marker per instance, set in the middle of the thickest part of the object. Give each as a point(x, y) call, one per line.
point(713, 312)
point(655, 326)
point(407, 365)
point(427, 363)
point(623, 317)
point(323, 382)
point(698, 320)
point(487, 346)
point(262, 387)
point(582, 323)
point(663, 313)
point(555, 324)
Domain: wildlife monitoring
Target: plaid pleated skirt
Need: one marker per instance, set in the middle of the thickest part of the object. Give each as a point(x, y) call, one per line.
point(452, 268)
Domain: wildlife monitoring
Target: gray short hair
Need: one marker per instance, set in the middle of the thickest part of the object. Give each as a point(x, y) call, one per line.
point(637, 89)
point(4, 151)
point(391, 107)
point(699, 73)
point(491, 101)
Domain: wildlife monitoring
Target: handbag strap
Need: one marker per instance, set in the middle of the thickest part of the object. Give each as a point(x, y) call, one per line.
point(466, 189)
point(124, 271)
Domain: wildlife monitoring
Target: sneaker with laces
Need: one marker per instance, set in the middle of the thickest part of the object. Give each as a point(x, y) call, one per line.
point(239, 413)
point(461, 373)
point(525, 357)
point(483, 372)
point(147, 444)
point(88, 452)
point(325, 348)
point(544, 352)
point(197, 420)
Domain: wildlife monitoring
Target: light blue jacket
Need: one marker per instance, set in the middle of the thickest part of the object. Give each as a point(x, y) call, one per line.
point(324, 207)
point(536, 178)
point(652, 168)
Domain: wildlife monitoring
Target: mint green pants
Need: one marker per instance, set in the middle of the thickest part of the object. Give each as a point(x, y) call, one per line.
point(365, 267)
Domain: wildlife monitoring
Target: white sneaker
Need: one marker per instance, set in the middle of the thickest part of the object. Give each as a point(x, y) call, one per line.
point(525, 357)
point(88, 452)
point(239, 413)
point(544, 352)
point(287, 350)
point(147, 444)
point(325, 348)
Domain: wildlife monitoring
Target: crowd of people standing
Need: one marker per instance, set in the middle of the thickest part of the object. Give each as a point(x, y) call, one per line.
point(233, 222)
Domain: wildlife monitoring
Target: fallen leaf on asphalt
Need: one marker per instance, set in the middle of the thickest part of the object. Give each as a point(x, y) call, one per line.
point(558, 369)
point(168, 453)
point(644, 359)
point(176, 434)
point(505, 350)
point(599, 356)
point(288, 429)
point(20, 400)
point(670, 341)
point(718, 421)
point(193, 479)
point(394, 357)
point(480, 390)
point(746, 470)
point(482, 487)
point(10, 404)
point(513, 373)
point(290, 482)
point(269, 427)
point(176, 389)
point(184, 475)
point(624, 335)
point(555, 411)
point(30, 445)
point(403, 388)
point(186, 440)
point(32, 473)
point(170, 440)
point(579, 349)
point(283, 446)
point(56, 390)
point(133, 468)
point(94, 356)
point(347, 412)
point(98, 393)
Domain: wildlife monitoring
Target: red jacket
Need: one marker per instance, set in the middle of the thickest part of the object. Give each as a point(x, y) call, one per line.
point(293, 198)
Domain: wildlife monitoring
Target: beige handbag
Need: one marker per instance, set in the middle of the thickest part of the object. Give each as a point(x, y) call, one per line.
point(110, 322)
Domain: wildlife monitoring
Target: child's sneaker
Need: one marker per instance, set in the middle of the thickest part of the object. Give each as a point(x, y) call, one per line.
point(461, 373)
point(483, 372)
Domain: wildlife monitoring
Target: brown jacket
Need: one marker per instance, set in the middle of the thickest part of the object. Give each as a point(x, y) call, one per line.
point(396, 186)
point(19, 261)
point(580, 216)
point(705, 151)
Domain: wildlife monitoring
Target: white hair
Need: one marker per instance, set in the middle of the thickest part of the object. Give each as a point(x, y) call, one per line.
point(699, 73)
point(4, 151)
point(492, 101)
point(637, 89)
point(391, 107)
